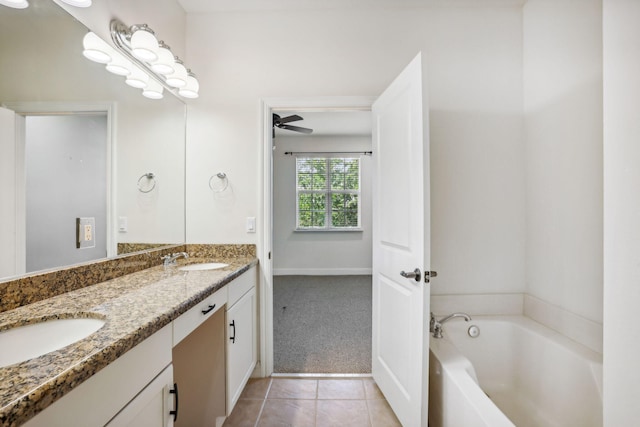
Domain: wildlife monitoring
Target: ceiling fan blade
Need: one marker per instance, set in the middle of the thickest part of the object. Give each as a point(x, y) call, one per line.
point(288, 119)
point(296, 129)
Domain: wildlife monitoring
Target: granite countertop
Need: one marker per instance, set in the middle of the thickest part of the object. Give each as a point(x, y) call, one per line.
point(133, 306)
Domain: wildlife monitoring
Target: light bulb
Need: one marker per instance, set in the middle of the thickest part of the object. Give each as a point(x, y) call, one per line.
point(15, 4)
point(190, 90)
point(164, 64)
point(119, 65)
point(144, 44)
point(179, 77)
point(153, 90)
point(95, 48)
point(137, 78)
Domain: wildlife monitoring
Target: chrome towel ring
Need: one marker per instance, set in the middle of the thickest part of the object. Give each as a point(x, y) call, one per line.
point(219, 188)
point(152, 181)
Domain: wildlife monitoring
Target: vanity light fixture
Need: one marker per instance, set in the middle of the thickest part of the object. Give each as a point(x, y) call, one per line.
point(179, 76)
point(15, 4)
point(190, 90)
point(139, 44)
point(137, 78)
point(144, 44)
point(95, 48)
point(165, 63)
point(153, 90)
point(78, 3)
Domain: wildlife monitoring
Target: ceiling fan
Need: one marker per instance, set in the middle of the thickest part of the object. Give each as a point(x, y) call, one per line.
point(281, 122)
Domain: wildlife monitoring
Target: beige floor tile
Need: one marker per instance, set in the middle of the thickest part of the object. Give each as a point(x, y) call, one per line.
point(245, 413)
point(381, 414)
point(341, 389)
point(282, 388)
point(371, 389)
point(287, 412)
point(352, 413)
point(256, 388)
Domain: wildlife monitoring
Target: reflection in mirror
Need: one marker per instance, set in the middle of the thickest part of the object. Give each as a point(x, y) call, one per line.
point(89, 167)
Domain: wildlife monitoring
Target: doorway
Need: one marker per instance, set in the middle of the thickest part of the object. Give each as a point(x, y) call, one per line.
point(322, 242)
point(307, 257)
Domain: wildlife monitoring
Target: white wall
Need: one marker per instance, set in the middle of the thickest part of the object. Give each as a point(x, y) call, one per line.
point(475, 91)
point(65, 171)
point(347, 252)
point(621, 38)
point(562, 47)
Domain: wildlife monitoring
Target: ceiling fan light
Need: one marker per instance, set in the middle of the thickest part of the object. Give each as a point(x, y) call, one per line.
point(179, 77)
point(153, 90)
point(138, 78)
point(164, 64)
point(144, 44)
point(15, 4)
point(96, 49)
point(78, 3)
point(191, 89)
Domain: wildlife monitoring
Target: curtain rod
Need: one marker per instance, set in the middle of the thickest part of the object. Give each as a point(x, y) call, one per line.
point(291, 153)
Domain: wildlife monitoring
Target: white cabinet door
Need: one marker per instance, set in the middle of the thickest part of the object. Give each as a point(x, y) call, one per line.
point(155, 406)
point(242, 348)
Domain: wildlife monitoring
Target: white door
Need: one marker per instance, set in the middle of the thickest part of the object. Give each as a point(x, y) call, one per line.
point(8, 208)
point(401, 244)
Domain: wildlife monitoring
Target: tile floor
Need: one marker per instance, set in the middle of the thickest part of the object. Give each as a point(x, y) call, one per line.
point(304, 402)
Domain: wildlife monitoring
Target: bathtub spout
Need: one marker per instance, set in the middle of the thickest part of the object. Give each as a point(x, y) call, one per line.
point(435, 325)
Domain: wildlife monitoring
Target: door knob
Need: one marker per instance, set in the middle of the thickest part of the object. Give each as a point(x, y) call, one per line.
point(415, 274)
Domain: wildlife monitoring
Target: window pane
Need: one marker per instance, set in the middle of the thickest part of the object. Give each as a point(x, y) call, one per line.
point(304, 201)
point(318, 219)
point(319, 202)
point(304, 219)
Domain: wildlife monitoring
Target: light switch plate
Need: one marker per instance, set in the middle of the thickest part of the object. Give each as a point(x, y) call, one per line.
point(251, 224)
point(85, 233)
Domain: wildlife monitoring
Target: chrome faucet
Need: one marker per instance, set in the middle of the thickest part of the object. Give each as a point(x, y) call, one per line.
point(435, 325)
point(171, 259)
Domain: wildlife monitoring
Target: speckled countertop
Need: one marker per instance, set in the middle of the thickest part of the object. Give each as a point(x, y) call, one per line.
point(134, 306)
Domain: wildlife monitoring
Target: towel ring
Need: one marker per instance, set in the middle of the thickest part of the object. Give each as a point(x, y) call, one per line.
point(151, 177)
point(223, 177)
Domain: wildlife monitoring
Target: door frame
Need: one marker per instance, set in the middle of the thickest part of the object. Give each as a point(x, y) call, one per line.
point(265, 240)
point(24, 109)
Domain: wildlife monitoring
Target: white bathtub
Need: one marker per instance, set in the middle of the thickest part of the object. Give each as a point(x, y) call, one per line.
point(516, 372)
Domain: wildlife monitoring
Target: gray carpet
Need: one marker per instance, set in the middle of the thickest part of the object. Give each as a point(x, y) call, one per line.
point(322, 324)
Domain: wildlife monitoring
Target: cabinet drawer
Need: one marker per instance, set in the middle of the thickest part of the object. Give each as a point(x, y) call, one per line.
point(193, 318)
point(240, 285)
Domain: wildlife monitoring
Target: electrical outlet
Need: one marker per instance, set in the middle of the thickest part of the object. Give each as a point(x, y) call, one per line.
point(85, 233)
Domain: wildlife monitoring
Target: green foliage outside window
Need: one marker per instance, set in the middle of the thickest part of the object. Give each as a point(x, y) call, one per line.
point(328, 193)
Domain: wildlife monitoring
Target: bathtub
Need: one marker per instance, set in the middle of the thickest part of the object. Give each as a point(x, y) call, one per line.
point(516, 372)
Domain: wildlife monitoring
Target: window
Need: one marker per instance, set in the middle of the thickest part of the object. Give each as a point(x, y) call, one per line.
point(328, 193)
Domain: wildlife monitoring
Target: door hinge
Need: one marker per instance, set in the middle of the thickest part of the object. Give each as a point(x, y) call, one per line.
point(428, 275)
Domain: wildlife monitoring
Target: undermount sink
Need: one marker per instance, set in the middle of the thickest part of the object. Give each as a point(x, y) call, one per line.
point(203, 266)
point(26, 342)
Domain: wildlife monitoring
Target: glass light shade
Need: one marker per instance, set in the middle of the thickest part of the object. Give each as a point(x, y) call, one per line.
point(16, 4)
point(138, 78)
point(78, 3)
point(144, 45)
point(179, 77)
point(96, 49)
point(190, 90)
point(153, 90)
point(164, 64)
point(119, 65)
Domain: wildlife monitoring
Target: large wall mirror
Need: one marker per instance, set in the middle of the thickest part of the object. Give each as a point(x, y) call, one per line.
point(77, 142)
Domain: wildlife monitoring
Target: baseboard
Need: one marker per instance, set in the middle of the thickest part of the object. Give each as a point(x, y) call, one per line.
point(321, 271)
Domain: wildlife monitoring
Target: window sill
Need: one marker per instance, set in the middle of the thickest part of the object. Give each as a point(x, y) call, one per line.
point(329, 230)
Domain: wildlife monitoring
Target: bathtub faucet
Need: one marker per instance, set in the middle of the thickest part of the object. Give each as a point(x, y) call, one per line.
point(435, 325)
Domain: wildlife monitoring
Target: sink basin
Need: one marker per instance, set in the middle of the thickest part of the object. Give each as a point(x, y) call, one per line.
point(26, 342)
point(203, 266)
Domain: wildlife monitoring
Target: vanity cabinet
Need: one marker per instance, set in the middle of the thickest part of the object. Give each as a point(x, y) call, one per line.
point(117, 387)
point(242, 340)
point(153, 406)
